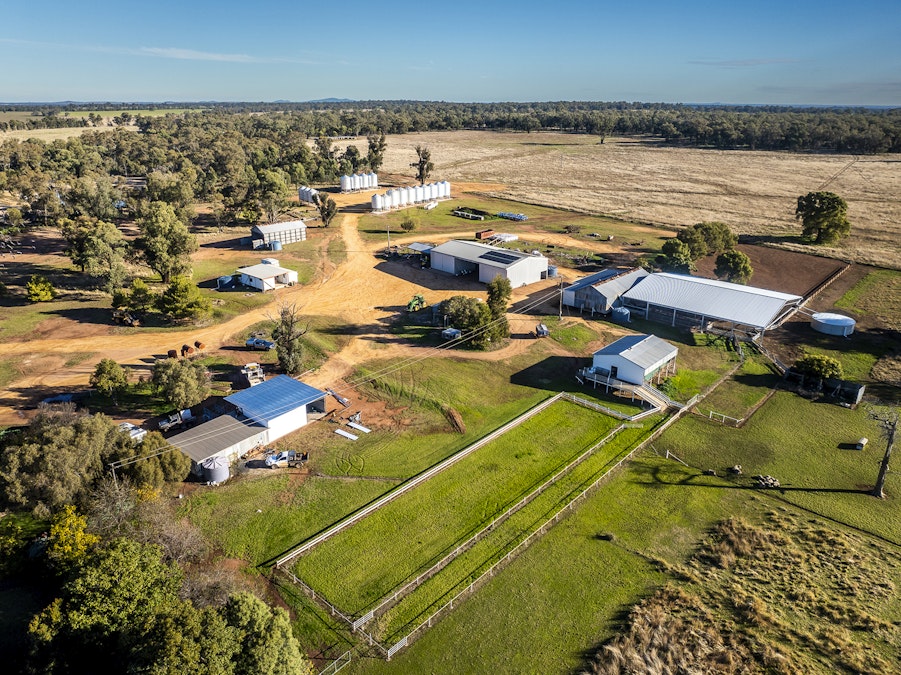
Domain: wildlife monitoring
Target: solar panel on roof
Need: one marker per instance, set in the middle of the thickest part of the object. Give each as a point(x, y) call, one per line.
point(498, 256)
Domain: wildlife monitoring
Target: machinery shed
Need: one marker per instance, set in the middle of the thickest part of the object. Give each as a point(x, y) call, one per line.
point(281, 405)
point(284, 233)
point(686, 301)
point(459, 257)
point(600, 292)
point(222, 437)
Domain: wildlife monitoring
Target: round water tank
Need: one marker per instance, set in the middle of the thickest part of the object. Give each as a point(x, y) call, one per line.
point(275, 245)
point(215, 469)
point(345, 183)
point(551, 271)
point(832, 324)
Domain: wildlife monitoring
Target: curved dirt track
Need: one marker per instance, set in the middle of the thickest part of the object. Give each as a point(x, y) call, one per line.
point(359, 291)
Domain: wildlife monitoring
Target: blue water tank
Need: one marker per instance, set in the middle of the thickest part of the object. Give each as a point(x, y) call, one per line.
point(551, 271)
point(275, 245)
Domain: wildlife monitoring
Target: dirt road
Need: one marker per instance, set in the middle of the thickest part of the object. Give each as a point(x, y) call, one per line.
point(362, 291)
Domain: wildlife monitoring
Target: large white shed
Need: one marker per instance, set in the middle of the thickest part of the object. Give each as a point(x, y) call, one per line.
point(281, 405)
point(284, 233)
point(600, 292)
point(459, 257)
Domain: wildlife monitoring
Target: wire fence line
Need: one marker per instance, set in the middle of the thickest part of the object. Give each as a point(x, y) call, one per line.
point(411, 483)
point(512, 553)
point(398, 594)
point(337, 664)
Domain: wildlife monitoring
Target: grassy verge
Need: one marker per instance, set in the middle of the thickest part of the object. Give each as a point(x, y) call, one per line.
point(745, 389)
point(877, 294)
point(366, 561)
point(807, 447)
point(257, 518)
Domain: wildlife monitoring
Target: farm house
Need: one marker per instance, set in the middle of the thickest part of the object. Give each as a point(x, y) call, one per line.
point(465, 257)
point(267, 276)
point(682, 300)
point(222, 437)
point(283, 233)
point(601, 291)
point(635, 359)
point(281, 405)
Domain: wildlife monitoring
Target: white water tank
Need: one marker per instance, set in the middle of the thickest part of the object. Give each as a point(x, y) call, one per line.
point(832, 324)
point(215, 469)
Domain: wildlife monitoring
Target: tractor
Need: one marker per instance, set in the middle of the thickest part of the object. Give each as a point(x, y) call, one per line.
point(418, 302)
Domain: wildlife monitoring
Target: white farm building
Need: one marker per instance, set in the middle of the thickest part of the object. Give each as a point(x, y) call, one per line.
point(636, 359)
point(283, 233)
point(267, 276)
point(686, 301)
point(459, 257)
point(600, 292)
point(263, 414)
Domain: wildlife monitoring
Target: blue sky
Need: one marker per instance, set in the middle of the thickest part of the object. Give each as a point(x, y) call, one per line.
point(789, 52)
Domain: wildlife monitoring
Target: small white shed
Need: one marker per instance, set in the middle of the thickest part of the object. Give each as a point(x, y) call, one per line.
point(284, 233)
point(267, 277)
point(635, 359)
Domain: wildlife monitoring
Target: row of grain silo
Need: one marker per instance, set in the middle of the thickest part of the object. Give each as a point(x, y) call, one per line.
point(408, 196)
point(306, 194)
point(359, 181)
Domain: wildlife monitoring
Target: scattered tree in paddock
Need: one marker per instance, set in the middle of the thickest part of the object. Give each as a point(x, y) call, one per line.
point(423, 164)
point(183, 301)
point(39, 289)
point(887, 418)
point(823, 217)
point(376, 154)
point(110, 378)
point(165, 242)
point(326, 206)
point(734, 266)
point(287, 335)
point(182, 383)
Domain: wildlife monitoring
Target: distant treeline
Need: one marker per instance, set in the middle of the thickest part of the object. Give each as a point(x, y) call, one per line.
point(842, 130)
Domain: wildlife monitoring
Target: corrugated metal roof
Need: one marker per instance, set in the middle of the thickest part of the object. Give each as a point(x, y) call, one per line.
point(263, 271)
point(645, 351)
point(209, 438)
point(618, 285)
point(275, 228)
point(421, 248)
point(472, 251)
point(274, 397)
point(757, 307)
point(592, 279)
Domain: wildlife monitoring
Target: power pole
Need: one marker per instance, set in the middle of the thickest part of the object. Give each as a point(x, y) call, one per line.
point(888, 422)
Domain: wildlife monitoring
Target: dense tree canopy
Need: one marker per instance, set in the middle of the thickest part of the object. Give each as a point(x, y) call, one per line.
point(109, 378)
point(823, 216)
point(819, 366)
point(182, 383)
point(165, 243)
point(287, 335)
point(181, 301)
point(734, 266)
point(499, 292)
point(472, 317)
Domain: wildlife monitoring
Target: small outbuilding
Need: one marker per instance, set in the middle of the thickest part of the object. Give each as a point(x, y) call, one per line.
point(223, 437)
point(636, 359)
point(281, 405)
point(266, 277)
point(460, 257)
point(284, 233)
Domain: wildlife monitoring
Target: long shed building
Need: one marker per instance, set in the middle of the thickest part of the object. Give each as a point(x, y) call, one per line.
point(281, 405)
point(284, 233)
point(686, 301)
point(459, 257)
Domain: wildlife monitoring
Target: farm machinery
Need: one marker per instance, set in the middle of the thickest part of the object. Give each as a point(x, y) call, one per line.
point(126, 318)
point(418, 302)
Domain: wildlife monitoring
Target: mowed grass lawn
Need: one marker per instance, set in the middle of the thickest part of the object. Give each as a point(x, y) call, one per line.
point(807, 446)
point(257, 518)
point(568, 592)
point(466, 568)
point(362, 564)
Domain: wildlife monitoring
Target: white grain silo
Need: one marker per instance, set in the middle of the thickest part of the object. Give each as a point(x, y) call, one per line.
point(345, 183)
point(378, 202)
point(443, 189)
point(356, 182)
point(373, 179)
point(431, 192)
point(364, 181)
point(448, 189)
point(394, 198)
point(406, 196)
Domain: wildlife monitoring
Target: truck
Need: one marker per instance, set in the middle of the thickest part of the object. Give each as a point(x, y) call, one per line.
point(259, 344)
point(176, 419)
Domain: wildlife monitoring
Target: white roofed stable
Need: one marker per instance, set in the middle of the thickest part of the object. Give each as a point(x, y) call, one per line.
point(281, 405)
point(459, 257)
point(601, 291)
point(286, 233)
point(267, 277)
point(682, 300)
point(635, 359)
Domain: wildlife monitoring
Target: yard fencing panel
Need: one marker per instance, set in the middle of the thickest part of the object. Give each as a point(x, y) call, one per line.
point(337, 664)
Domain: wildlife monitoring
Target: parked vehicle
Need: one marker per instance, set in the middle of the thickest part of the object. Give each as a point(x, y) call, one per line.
point(135, 432)
point(259, 344)
point(176, 419)
point(284, 458)
point(126, 318)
